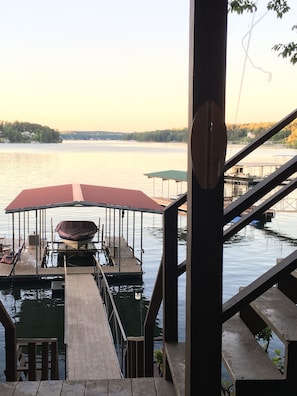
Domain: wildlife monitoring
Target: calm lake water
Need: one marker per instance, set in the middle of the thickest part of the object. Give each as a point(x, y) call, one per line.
point(123, 164)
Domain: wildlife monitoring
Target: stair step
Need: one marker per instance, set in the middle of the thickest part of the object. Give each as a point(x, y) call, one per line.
point(175, 353)
point(280, 315)
point(279, 312)
point(248, 364)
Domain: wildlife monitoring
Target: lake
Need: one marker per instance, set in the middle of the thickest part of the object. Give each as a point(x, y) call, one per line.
point(123, 164)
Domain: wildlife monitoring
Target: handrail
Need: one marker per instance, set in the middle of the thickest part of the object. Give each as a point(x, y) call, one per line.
point(268, 203)
point(259, 286)
point(260, 190)
point(10, 344)
point(238, 207)
point(168, 270)
point(114, 320)
point(260, 140)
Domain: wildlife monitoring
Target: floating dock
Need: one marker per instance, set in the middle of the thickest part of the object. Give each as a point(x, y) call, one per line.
point(34, 262)
point(90, 351)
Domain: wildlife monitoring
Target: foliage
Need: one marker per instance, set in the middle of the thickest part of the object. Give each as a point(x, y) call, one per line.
point(279, 360)
point(280, 7)
point(167, 135)
point(292, 138)
point(92, 135)
point(158, 355)
point(266, 335)
point(25, 132)
point(236, 133)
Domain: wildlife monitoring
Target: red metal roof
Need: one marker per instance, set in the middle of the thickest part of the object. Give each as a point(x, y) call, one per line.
point(82, 195)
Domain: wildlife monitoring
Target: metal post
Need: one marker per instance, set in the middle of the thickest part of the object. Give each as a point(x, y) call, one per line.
point(118, 250)
point(141, 239)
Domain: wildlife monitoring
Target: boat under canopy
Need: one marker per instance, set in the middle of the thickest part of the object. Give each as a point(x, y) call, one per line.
point(76, 230)
point(118, 236)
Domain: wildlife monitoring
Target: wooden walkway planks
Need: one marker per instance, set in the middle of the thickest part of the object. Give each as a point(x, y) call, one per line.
point(90, 352)
point(123, 387)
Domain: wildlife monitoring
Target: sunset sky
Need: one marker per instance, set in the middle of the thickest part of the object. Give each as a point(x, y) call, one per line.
point(123, 65)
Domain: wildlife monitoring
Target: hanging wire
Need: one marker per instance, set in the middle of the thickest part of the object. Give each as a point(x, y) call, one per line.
point(248, 58)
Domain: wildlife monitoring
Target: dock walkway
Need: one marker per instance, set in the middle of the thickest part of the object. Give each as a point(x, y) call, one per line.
point(90, 352)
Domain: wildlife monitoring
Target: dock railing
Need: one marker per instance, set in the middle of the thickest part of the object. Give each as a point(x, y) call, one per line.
point(115, 324)
point(166, 284)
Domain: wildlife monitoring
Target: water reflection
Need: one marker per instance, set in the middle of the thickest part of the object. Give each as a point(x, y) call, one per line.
point(132, 307)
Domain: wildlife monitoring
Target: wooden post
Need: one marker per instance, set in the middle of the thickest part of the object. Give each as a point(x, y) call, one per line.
point(32, 361)
point(54, 360)
point(45, 358)
point(206, 157)
point(10, 344)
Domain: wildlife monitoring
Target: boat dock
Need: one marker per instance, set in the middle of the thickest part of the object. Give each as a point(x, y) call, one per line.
point(32, 262)
point(90, 352)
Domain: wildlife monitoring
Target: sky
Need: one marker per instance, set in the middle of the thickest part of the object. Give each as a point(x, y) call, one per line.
point(122, 65)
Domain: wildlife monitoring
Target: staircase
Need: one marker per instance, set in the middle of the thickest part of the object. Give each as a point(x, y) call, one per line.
point(267, 303)
point(250, 368)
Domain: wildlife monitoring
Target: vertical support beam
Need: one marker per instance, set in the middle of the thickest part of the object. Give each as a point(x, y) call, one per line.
point(54, 360)
point(117, 252)
point(13, 240)
point(206, 156)
point(32, 361)
point(170, 283)
point(19, 219)
point(24, 226)
point(141, 239)
point(45, 359)
point(36, 246)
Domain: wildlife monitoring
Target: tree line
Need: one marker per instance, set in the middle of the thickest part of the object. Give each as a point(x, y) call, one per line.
point(26, 132)
point(236, 133)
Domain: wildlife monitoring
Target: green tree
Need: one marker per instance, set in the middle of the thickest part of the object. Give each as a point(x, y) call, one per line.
point(25, 132)
point(280, 7)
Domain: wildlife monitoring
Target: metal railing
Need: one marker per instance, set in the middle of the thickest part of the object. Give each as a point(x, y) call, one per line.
point(115, 324)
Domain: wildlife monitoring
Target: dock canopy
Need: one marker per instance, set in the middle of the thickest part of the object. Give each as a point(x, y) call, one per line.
point(177, 175)
point(83, 195)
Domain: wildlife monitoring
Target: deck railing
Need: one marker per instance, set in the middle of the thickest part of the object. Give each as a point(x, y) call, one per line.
point(166, 283)
point(37, 359)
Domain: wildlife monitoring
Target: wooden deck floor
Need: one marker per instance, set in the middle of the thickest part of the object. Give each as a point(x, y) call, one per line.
point(90, 352)
point(116, 387)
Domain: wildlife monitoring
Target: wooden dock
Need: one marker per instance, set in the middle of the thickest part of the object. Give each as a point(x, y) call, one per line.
point(33, 262)
point(90, 352)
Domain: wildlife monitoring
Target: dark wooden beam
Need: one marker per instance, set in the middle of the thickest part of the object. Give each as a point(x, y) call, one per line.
point(206, 158)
